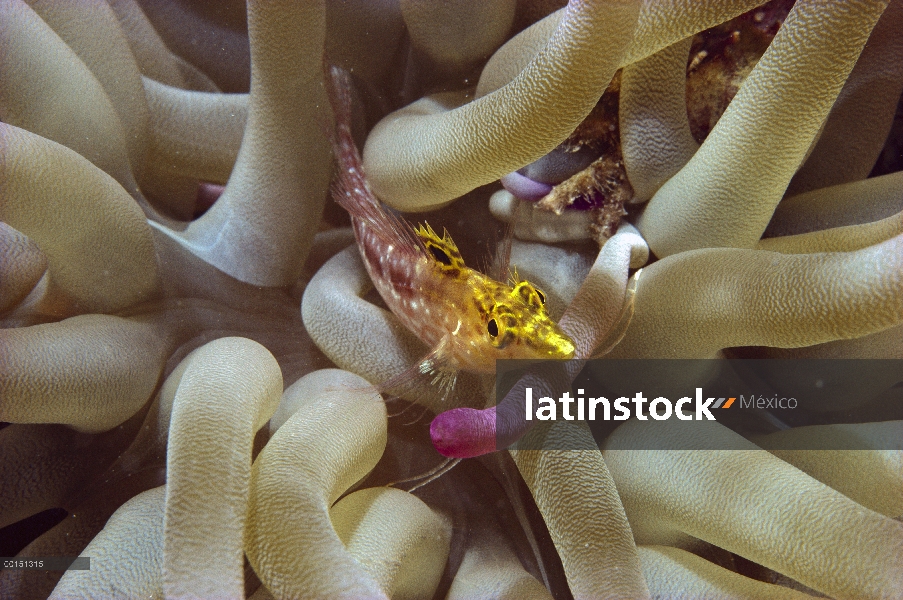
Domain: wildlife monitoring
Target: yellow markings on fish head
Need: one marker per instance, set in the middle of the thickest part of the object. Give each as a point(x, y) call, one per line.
point(518, 326)
point(497, 321)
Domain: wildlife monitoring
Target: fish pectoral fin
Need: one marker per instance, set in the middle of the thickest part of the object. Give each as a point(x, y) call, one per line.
point(435, 364)
point(438, 365)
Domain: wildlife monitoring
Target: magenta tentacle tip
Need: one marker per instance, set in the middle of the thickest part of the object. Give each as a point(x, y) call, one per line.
point(464, 432)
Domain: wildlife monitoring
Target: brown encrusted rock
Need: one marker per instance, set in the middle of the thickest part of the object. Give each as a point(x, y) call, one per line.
point(719, 61)
point(602, 187)
point(722, 57)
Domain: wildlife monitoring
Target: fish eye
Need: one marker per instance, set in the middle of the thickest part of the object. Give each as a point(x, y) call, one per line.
point(440, 255)
point(493, 328)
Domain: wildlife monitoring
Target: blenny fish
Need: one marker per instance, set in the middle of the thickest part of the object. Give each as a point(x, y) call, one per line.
point(468, 319)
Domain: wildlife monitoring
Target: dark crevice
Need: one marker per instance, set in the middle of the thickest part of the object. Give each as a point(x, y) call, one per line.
point(17, 535)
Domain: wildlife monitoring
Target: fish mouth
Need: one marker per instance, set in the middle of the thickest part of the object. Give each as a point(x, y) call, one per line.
point(561, 347)
point(569, 351)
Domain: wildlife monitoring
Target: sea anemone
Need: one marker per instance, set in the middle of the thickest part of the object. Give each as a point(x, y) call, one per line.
point(191, 356)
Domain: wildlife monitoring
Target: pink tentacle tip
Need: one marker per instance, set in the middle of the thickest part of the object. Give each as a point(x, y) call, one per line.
point(525, 188)
point(464, 432)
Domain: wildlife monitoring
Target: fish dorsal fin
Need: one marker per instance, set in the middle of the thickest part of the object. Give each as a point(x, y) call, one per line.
point(443, 249)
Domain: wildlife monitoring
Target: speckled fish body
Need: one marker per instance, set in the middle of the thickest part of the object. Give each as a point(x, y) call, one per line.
point(469, 319)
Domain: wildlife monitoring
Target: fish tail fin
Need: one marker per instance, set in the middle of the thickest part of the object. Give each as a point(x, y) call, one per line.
point(350, 189)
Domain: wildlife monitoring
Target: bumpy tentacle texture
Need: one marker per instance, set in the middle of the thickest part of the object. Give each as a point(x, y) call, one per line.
point(182, 151)
point(366, 339)
point(22, 264)
point(43, 78)
point(91, 30)
point(672, 572)
point(735, 297)
point(284, 162)
point(728, 191)
point(873, 478)
point(565, 80)
point(69, 461)
point(126, 352)
point(884, 344)
point(660, 24)
point(331, 442)
point(652, 115)
point(126, 557)
point(399, 540)
point(854, 203)
point(671, 494)
point(544, 87)
point(181, 144)
point(840, 218)
point(228, 391)
point(595, 310)
point(862, 116)
point(568, 477)
point(350, 329)
point(838, 239)
point(91, 372)
point(72, 536)
point(99, 248)
point(490, 569)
